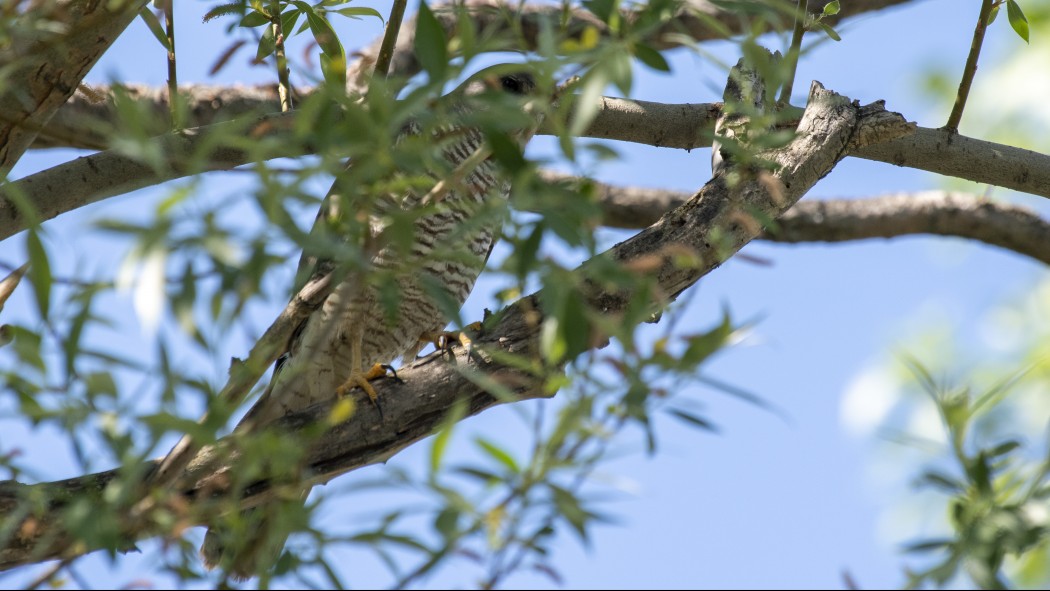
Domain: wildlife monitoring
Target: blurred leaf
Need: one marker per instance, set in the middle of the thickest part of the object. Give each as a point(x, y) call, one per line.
point(444, 435)
point(430, 45)
point(39, 272)
point(254, 19)
point(831, 8)
point(497, 453)
point(929, 545)
point(691, 419)
point(829, 31)
point(9, 283)
point(941, 481)
point(651, 57)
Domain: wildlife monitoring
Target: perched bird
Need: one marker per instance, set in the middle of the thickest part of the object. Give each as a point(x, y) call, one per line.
point(339, 346)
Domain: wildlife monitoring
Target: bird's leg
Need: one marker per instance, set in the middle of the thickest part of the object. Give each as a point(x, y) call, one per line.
point(443, 340)
point(359, 378)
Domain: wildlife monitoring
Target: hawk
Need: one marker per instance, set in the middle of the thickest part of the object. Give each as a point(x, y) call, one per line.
point(333, 350)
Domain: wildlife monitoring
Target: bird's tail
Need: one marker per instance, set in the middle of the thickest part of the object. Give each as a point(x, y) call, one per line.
point(250, 543)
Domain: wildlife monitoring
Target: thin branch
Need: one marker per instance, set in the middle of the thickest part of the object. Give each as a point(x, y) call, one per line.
point(40, 76)
point(386, 48)
point(795, 50)
point(284, 87)
point(971, 66)
point(940, 213)
point(173, 79)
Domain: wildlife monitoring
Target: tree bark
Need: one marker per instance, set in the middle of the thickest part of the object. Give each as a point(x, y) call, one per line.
point(48, 69)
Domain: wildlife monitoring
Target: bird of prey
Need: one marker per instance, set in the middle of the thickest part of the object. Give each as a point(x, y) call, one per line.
point(335, 347)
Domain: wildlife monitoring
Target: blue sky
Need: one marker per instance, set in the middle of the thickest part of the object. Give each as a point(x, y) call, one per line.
point(776, 501)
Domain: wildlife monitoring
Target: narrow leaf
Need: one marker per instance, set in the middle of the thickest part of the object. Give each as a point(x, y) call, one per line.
point(39, 272)
point(431, 45)
point(497, 453)
point(1017, 19)
point(155, 27)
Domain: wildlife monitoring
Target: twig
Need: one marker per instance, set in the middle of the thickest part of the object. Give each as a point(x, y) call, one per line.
point(393, 27)
point(173, 79)
point(795, 50)
point(284, 88)
point(971, 67)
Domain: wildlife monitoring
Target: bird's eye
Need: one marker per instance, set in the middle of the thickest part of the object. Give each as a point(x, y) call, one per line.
point(517, 83)
point(512, 84)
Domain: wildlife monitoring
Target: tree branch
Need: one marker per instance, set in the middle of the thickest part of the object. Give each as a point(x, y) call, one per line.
point(940, 213)
point(413, 409)
point(47, 69)
point(699, 20)
point(665, 125)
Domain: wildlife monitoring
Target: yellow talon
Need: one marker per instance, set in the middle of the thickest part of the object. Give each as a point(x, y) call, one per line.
point(359, 379)
point(443, 340)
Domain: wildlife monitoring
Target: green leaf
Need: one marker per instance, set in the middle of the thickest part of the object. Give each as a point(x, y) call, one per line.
point(359, 11)
point(325, 35)
point(497, 453)
point(430, 45)
point(589, 101)
point(444, 434)
point(267, 45)
point(830, 32)
point(254, 19)
point(155, 27)
point(1017, 19)
point(831, 8)
point(940, 481)
point(929, 545)
point(552, 343)
point(39, 272)
point(1004, 448)
point(991, 15)
point(652, 58)
point(288, 20)
point(704, 345)
point(570, 508)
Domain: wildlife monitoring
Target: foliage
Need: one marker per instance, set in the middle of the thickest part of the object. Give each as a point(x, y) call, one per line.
point(201, 266)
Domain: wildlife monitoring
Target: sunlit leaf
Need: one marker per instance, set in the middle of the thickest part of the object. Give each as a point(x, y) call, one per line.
point(1017, 19)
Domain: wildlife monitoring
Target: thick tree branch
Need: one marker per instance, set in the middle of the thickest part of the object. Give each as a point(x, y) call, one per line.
point(941, 213)
point(667, 125)
point(415, 408)
point(68, 186)
point(41, 73)
point(699, 20)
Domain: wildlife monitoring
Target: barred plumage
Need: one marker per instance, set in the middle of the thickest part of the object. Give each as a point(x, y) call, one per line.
point(319, 358)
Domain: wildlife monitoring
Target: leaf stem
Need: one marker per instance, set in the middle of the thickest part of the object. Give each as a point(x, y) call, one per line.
point(173, 80)
point(284, 88)
point(971, 67)
point(393, 27)
point(795, 50)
